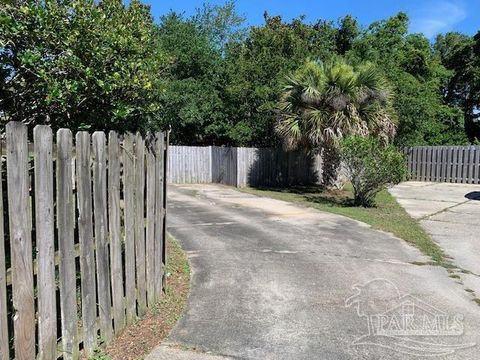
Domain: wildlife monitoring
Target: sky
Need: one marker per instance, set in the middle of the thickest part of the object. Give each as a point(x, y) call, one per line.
point(427, 16)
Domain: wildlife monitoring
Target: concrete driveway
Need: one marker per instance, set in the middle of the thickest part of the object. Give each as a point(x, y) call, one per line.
point(276, 281)
point(450, 213)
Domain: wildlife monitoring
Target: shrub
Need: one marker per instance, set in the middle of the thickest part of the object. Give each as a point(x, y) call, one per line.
point(371, 167)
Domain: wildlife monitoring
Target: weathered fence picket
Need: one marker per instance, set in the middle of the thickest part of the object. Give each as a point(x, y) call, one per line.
point(476, 167)
point(438, 162)
point(115, 232)
point(150, 228)
point(85, 232)
point(103, 204)
point(20, 240)
point(423, 174)
point(129, 219)
point(44, 225)
point(140, 224)
point(101, 235)
point(471, 162)
point(159, 212)
point(66, 244)
point(4, 343)
point(163, 236)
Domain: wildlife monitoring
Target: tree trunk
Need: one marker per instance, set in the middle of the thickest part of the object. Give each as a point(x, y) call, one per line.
point(331, 177)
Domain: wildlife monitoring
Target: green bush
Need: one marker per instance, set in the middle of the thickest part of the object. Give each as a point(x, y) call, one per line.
point(370, 166)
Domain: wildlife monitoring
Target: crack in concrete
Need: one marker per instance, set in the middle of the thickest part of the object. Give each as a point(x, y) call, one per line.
point(444, 210)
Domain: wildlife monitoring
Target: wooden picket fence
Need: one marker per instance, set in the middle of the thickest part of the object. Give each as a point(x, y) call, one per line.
point(455, 164)
point(82, 238)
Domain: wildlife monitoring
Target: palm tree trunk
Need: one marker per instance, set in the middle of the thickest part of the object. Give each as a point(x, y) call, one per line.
point(331, 167)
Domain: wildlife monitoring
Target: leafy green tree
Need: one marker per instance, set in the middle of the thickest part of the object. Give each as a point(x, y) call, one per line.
point(371, 167)
point(191, 104)
point(256, 68)
point(460, 54)
point(416, 76)
point(194, 103)
point(346, 34)
point(80, 64)
point(424, 119)
point(220, 23)
point(322, 102)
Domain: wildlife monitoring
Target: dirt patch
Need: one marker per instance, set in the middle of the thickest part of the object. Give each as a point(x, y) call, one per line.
point(139, 339)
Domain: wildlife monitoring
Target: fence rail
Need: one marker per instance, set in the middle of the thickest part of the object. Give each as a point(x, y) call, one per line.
point(455, 164)
point(242, 166)
point(82, 238)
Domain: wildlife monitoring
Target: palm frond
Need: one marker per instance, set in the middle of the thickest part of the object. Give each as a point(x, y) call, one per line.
point(322, 102)
point(288, 128)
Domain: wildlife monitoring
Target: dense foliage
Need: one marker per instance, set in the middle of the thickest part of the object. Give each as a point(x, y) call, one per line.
point(103, 65)
point(80, 64)
point(370, 166)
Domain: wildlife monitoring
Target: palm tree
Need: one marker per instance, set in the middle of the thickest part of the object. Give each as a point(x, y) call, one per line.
point(322, 102)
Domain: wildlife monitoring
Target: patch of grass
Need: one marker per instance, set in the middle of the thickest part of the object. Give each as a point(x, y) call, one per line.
point(100, 355)
point(387, 216)
point(139, 339)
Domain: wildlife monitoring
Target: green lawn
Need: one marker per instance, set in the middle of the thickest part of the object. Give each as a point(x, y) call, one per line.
point(388, 215)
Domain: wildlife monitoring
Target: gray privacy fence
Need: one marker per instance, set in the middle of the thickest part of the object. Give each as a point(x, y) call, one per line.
point(455, 164)
point(240, 166)
point(82, 238)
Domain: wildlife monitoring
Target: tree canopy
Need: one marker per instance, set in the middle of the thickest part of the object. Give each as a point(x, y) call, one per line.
point(89, 64)
point(81, 64)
